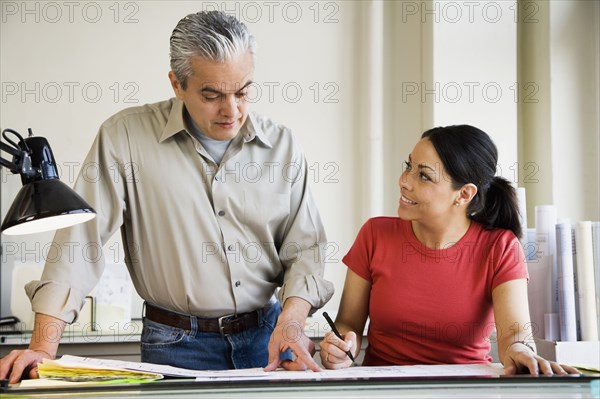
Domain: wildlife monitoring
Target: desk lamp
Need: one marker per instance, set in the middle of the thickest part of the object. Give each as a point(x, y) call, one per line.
point(44, 202)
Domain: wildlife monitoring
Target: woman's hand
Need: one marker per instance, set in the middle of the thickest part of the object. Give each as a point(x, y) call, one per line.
point(520, 359)
point(333, 350)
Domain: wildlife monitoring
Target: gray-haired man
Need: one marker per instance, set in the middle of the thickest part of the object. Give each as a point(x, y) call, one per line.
point(213, 205)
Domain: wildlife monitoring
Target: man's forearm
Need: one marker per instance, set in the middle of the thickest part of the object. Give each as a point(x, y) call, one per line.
point(295, 308)
point(47, 332)
point(293, 316)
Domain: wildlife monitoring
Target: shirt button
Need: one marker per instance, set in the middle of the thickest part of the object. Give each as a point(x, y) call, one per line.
point(217, 178)
point(238, 283)
point(230, 247)
point(221, 213)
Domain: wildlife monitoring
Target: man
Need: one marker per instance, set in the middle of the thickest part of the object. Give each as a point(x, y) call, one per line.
point(215, 213)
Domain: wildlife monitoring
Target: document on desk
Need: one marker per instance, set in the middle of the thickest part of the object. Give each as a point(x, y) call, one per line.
point(438, 370)
point(75, 369)
point(451, 370)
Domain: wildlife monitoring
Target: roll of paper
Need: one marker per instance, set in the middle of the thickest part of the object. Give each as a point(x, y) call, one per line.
point(585, 281)
point(543, 282)
point(596, 245)
point(566, 282)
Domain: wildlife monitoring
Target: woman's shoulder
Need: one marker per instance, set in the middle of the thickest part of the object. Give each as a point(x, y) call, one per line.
point(479, 233)
point(385, 225)
point(385, 221)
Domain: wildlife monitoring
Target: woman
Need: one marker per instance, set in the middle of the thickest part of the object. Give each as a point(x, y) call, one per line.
point(439, 279)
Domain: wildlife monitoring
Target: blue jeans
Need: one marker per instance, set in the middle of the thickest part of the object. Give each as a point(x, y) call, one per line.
point(195, 350)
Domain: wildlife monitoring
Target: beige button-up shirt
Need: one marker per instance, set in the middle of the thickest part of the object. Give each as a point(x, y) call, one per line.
point(200, 238)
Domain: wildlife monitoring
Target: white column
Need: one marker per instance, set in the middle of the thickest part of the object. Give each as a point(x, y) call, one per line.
point(371, 134)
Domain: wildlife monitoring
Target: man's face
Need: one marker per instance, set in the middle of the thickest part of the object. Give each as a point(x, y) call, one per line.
point(215, 96)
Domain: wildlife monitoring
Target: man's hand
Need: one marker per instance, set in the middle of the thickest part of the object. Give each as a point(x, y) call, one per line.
point(289, 334)
point(21, 363)
point(18, 364)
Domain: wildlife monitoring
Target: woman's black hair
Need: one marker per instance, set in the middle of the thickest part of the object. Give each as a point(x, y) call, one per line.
point(470, 156)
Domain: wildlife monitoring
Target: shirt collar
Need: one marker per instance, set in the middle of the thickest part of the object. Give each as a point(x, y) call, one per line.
point(175, 124)
point(252, 129)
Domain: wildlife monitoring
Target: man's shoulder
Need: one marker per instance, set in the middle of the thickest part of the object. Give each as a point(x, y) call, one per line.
point(151, 111)
point(272, 129)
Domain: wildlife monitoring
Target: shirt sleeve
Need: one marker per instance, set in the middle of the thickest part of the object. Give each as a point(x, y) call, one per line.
point(75, 260)
point(358, 258)
point(508, 260)
point(303, 250)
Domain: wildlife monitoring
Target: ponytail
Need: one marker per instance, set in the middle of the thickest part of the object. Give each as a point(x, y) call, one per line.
point(497, 206)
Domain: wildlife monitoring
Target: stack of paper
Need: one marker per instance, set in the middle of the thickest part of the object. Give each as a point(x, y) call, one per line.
point(72, 369)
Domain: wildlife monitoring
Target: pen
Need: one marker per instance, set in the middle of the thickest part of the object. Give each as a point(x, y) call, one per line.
point(336, 332)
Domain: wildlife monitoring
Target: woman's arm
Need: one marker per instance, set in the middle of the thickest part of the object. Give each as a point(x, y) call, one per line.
point(516, 347)
point(350, 321)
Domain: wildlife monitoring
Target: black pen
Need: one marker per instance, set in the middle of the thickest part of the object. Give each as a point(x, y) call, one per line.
point(336, 332)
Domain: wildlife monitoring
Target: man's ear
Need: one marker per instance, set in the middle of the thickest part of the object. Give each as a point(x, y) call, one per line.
point(466, 193)
point(177, 89)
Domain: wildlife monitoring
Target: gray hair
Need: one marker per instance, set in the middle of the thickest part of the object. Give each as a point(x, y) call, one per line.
point(211, 35)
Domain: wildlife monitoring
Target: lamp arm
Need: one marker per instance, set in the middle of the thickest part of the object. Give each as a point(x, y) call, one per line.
point(21, 160)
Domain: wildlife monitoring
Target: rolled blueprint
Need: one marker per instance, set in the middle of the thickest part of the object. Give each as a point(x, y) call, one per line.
point(585, 281)
point(596, 245)
point(566, 282)
point(543, 281)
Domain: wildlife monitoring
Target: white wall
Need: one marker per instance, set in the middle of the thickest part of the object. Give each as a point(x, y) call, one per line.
point(67, 66)
point(475, 72)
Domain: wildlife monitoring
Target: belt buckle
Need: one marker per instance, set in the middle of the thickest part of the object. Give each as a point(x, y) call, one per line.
point(221, 327)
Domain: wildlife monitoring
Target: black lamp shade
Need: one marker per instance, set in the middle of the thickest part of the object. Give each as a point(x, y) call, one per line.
point(45, 205)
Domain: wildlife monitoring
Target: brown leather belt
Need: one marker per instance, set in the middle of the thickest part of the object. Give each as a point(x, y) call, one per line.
point(226, 325)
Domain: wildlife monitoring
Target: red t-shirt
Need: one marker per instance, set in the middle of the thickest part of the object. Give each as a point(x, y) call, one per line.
point(432, 306)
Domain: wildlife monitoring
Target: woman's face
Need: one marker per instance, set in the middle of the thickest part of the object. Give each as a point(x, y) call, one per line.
point(426, 192)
